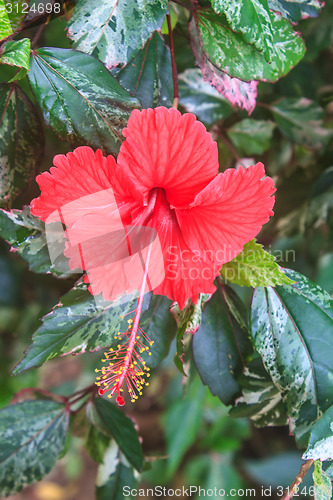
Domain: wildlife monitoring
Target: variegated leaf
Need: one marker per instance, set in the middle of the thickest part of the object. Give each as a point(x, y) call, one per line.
point(32, 437)
point(239, 93)
point(230, 52)
point(115, 30)
point(292, 328)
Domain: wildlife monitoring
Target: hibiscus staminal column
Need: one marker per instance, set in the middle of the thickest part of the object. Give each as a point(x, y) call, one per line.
point(125, 363)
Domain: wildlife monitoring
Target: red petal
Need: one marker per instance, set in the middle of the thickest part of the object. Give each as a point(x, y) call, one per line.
point(166, 149)
point(75, 175)
point(228, 213)
point(186, 274)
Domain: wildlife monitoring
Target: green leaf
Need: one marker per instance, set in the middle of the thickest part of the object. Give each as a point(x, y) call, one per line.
point(292, 329)
point(188, 321)
point(160, 326)
point(173, 19)
point(148, 76)
point(301, 121)
point(230, 52)
point(321, 438)
point(16, 54)
point(26, 234)
point(5, 26)
point(222, 344)
point(254, 20)
point(252, 137)
point(77, 324)
point(261, 399)
point(254, 267)
point(21, 142)
point(115, 30)
point(96, 443)
point(200, 98)
point(80, 99)
point(114, 423)
point(322, 483)
point(182, 422)
point(115, 476)
point(294, 10)
point(32, 437)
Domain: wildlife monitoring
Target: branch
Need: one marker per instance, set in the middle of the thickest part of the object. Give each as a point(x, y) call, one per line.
point(292, 489)
point(216, 130)
point(182, 4)
point(174, 68)
point(30, 391)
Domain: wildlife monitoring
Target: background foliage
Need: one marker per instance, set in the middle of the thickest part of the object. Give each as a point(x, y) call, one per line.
point(257, 73)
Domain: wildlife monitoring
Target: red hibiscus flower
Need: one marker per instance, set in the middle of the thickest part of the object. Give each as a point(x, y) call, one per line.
point(165, 178)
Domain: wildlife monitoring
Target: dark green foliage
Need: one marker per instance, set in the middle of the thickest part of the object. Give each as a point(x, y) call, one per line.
point(148, 75)
point(222, 344)
point(113, 423)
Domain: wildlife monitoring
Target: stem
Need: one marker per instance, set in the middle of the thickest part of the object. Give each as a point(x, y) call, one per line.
point(81, 394)
point(39, 32)
point(174, 68)
point(292, 489)
point(229, 146)
point(43, 392)
point(264, 105)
